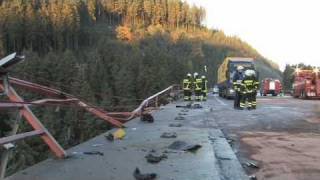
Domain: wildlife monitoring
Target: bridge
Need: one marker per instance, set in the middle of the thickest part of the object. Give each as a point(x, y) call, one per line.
point(174, 140)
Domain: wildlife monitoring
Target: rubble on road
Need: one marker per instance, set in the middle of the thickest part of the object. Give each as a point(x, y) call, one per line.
point(175, 125)
point(88, 153)
point(184, 146)
point(252, 164)
point(154, 157)
point(147, 118)
point(169, 135)
point(253, 177)
point(182, 114)
point(179, 118)
point(139, 176)
point(109, 137)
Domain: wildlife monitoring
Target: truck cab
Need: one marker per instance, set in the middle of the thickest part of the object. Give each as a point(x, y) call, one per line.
point(226, 72)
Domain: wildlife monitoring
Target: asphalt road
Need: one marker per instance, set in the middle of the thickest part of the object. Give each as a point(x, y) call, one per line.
point(281, 137)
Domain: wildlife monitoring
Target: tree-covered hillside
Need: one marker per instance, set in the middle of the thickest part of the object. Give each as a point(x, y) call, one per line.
point(111, 53)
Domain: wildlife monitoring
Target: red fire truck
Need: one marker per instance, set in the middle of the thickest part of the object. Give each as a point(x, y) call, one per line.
point(270, 86)
point(306, 84)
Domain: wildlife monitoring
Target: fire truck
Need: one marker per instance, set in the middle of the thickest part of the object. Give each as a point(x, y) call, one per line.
point(270, 86)
point(306, 84)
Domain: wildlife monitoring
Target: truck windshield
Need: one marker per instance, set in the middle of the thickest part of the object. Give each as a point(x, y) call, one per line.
point(246, 65)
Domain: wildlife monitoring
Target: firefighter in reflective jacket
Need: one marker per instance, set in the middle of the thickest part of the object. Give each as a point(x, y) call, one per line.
point(249, 89)
point(237, 80)
point(197, 87)
point(204, 88)
point(187, 87)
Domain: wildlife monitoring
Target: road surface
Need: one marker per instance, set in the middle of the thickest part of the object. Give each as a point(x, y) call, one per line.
point(281, 138)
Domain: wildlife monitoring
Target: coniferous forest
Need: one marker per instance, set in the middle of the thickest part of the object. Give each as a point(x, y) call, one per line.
point(111, 53)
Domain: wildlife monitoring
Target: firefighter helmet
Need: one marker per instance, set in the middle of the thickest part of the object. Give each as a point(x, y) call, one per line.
point(189, 75)
point(203, 77)
point(195, 75)
point(240, 68)
point(250, 72)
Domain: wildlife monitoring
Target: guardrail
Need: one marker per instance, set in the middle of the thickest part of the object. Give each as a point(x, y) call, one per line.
point(154, 99)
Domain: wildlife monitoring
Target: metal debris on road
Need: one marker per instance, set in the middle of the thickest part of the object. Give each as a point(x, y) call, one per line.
point(184, 146)
point(253, 177)
point(147, 118)
point(97, 145)
point(154, 157)
point(197, 106)
point(179, 118)
point(175, 125)
point(252, 165)
point(139, 176)
point(88, 153)
point(109, 137)
point(169, 135)
point(182, 114)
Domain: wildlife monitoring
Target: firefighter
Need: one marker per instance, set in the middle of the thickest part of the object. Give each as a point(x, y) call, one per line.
point(249, 90)
point(187, 87)
point(256, 88)
point(204, 88)
point(237, 80)
point(197, 87)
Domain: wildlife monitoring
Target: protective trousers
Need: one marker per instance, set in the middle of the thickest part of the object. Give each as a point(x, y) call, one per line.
point(187, 89)
point(237, 99)
point(198, 90)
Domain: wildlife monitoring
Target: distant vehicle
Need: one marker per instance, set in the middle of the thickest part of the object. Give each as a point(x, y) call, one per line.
point(306, 84)
point(227, 70)
point(271, 86)
point(215, 89)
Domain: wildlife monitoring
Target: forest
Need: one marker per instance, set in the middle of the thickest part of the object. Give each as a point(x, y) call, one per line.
point(111, 53)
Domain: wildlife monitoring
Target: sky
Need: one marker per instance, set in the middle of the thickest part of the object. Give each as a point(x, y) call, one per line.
point(284, 31)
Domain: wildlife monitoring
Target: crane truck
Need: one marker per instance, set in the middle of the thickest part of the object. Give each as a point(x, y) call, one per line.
point(306, 84)
point(226, 71)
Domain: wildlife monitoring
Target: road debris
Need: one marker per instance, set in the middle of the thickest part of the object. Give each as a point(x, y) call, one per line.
point(182, 114)
point(88, 153)
point(197, 106)
point(109, 137)
point(169, 135)
point(179, 118)
point(253, 177)
point(96, 145)
point(147, 118)
point(175, 125)
point(154, 157)
point(252, 164)
point(139, 176)
point(184, 146)
point(119, 134)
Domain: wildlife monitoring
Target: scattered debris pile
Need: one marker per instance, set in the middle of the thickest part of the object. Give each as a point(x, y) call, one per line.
point(184, 146)
point(155, 157)
point(169, 135)
point(139, 176)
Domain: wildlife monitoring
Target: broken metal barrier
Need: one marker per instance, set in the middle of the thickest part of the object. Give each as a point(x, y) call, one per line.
point(16, 102)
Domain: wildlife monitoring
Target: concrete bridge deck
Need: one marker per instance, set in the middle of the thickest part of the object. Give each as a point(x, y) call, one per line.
point(215, 160)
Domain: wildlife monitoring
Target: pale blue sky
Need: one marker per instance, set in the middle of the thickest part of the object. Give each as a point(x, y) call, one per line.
point(285, 31)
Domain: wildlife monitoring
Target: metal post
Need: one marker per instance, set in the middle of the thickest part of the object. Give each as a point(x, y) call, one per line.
point(6, 153)
point(36, 124)
point(156, 103)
